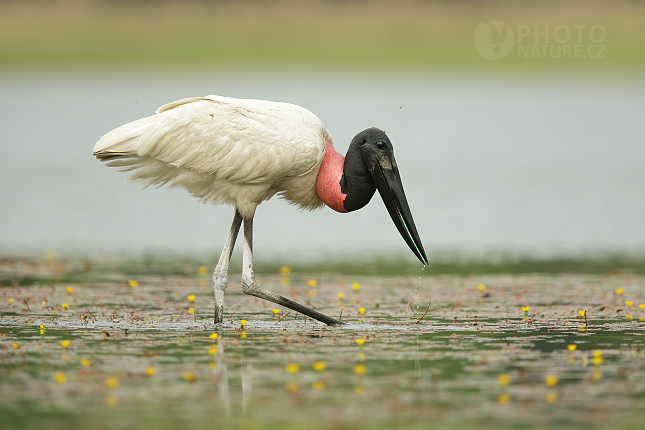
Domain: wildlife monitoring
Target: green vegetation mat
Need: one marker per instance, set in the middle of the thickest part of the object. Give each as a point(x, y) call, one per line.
point(136, 348)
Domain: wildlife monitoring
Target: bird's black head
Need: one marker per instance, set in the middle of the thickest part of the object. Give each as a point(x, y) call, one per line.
point(372, 144)
point(370, 165)
point(357, 180)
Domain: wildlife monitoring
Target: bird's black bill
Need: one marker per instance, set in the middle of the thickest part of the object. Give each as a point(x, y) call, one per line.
point(388, 181)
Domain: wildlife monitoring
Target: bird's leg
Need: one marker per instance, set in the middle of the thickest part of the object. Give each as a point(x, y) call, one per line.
point(220, 274)
point(251, 287)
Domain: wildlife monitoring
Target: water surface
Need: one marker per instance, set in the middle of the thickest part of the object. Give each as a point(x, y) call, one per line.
point(542, 165)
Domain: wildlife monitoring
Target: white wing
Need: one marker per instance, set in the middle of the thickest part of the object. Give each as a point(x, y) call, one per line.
point(221, 142)
point(242, 141)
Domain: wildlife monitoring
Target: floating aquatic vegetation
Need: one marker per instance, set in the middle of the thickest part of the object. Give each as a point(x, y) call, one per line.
point(504, 379)
point(470, 360)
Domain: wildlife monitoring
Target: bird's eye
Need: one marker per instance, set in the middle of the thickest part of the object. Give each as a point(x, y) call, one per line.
point(380, 144)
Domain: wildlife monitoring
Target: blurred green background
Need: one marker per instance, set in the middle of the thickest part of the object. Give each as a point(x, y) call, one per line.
point(311, 34)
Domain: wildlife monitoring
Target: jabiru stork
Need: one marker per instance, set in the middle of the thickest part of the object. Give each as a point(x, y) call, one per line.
point(242, 152)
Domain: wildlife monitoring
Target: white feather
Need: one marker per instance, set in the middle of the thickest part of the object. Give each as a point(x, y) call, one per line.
point(224, 150)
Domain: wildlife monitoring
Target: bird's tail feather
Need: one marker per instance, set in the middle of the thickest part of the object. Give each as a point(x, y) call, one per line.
point(120, 148)
point(123, 141)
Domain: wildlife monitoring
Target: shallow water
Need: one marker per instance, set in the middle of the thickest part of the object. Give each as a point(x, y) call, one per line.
point(536, 164)
point(393, 370)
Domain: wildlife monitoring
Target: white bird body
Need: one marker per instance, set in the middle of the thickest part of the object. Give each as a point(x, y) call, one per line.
point(224, 151)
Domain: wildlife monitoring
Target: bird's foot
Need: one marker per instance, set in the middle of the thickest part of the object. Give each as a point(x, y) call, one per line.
point(251, 287)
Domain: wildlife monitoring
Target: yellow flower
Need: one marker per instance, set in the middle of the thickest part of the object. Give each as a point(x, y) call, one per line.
point(360, 341)
point(582, 313)
point(275, 311)
point(11, 300)
point(597, 375)
point(629, 317)
point(319, 385)
point(620, 291)
point(597, 360)
point(112, 401)
point(65, 343)
point(552, 397)
point(212, 351)
point(319, 366)
point(243, 322)
point(85, 362)
point(60, 377)
point(642, 306)
point(44, 303)
point(285, 270)
point(629, 303)
point(526, 308)
point(360, 369)
point(572, 347)
point(341, 295)
point(243, 334)
point(312, 283)
point(65, 305)
point(361, 311)
point(65, 357)
point(481, 287)
point(191, 297)
point(597, 353)
point(191, 311)
point(133, 283)
point(551, 381)
point(189, 376)
point(504, 379)
point(70, 290)
point(503, 399)
point(361, 356)
point(16, 346)
point(313, 293)
point(151, 371)
point(213, 336)
point(292, 368)
point(356, 286)
point(291, 387)
point(42, 326)
point(202, 270)
point(211, 365)
point(112, 382)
